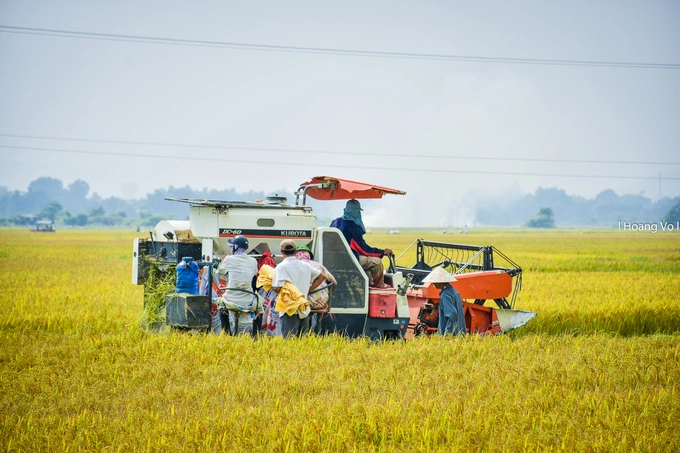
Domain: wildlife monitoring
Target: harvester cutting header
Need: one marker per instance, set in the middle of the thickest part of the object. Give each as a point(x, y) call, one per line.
point(405, 306)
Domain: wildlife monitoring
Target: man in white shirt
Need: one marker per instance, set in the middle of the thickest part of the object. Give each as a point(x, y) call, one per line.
point(240, 270)
point(304, 277)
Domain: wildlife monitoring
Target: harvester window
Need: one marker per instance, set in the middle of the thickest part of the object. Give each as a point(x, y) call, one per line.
point(352, 281)
point(265, 222)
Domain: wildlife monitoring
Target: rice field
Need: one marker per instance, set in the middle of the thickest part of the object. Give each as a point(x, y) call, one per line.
point(597, 370)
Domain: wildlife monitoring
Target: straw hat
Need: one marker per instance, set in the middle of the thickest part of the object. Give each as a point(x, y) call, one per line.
point(439, 275)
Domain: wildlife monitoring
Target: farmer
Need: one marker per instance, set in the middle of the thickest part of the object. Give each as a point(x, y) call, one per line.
point(240, 270)
point(293, 279)
point(352, 227)
point(451, 315)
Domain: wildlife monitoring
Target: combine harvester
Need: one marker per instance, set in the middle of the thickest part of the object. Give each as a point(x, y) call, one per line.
point(404, 310)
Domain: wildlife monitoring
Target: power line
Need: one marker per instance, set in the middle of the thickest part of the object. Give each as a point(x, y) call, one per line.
point(316, 165)
point(330, 51)
point(343, 153)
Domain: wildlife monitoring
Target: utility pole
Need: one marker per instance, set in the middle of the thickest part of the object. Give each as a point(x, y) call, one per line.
point(659, 187)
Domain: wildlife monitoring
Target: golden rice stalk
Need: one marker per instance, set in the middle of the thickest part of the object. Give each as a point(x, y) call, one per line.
point(156, 288)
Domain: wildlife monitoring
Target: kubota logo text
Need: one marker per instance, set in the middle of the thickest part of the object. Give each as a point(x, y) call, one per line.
point(294, 233)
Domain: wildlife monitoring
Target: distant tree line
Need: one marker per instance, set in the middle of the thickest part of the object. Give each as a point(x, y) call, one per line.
point(606, 209)
point(48, 199)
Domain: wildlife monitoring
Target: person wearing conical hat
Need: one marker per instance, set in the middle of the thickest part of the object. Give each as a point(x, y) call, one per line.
point(451, 314)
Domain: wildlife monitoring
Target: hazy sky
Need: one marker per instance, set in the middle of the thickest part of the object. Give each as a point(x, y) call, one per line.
point(437, 129)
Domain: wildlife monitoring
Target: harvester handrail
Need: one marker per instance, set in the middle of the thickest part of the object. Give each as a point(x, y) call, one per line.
point(452, 245)
point(321, 288)
point(469, 262)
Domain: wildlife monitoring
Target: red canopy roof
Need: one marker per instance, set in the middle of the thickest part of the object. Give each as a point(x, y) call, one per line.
point(345, 189)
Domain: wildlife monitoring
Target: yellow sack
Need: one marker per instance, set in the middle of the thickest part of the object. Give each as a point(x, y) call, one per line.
point(291, 301)
point(265, 277)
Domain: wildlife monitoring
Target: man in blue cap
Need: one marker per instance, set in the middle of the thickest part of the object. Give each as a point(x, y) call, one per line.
point(240, 269)
point(352, 227)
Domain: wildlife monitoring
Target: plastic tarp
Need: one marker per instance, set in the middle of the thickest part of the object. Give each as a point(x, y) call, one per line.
point(345, 189)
